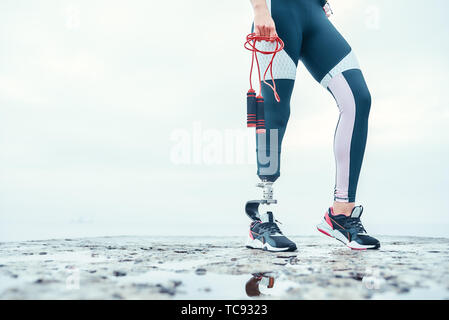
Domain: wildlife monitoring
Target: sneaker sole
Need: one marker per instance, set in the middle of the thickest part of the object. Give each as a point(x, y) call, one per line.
point(324, 228)
point(257, 244)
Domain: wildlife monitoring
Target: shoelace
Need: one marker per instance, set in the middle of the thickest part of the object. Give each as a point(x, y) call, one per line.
point(271, 227)
point(355, 223)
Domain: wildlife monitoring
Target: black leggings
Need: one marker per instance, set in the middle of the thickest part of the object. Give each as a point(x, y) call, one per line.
point(309, 36)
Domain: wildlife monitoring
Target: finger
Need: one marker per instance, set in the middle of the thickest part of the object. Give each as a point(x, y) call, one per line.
point(272, 32)
point(267, 31)
point(257, 30)
point(260, 30)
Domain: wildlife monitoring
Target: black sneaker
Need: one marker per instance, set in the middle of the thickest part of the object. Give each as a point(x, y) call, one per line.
point(348, 230)
point(267, 236)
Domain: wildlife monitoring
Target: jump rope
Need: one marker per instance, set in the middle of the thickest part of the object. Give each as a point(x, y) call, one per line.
point(255, 104)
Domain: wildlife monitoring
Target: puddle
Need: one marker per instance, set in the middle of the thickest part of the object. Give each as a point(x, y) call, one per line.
point(213, 286)
point(192, 286)
point(268, 285)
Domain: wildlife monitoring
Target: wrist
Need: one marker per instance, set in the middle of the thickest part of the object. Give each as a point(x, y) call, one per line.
point(260, 8)
point(261, 12)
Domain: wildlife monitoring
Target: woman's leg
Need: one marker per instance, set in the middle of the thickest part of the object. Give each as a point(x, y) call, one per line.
point(330, 60)
point(353, 98)
point(286, 15)
point(264, 232)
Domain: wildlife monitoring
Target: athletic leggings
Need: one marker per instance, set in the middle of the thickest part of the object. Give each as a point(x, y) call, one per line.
point(309, 36)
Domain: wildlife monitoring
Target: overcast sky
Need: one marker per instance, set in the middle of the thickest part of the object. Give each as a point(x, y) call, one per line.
point(97, 96)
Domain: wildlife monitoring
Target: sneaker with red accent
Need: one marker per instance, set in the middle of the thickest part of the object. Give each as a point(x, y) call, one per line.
point(267, 236)
point(348, 229)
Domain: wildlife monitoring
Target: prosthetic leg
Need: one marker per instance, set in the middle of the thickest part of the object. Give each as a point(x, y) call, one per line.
point(252, 206)
point(264, 233)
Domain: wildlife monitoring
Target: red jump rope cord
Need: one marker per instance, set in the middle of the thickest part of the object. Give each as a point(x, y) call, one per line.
point(250, 45)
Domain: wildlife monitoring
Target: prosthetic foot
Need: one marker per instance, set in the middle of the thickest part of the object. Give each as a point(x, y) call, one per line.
point(264, 233)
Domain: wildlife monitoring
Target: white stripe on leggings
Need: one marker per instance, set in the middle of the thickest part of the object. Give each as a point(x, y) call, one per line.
point(343, 134)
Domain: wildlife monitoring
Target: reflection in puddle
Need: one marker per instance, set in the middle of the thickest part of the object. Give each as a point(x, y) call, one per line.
point(258, 283)
point(264, 285)
point(270, 285)
point(191, 285)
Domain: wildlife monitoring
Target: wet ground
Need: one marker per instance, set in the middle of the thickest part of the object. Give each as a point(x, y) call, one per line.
point(221, 268)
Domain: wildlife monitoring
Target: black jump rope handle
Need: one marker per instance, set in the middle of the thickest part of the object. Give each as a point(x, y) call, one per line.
point(255, 113)
point(251, 110)
point(260, 123)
